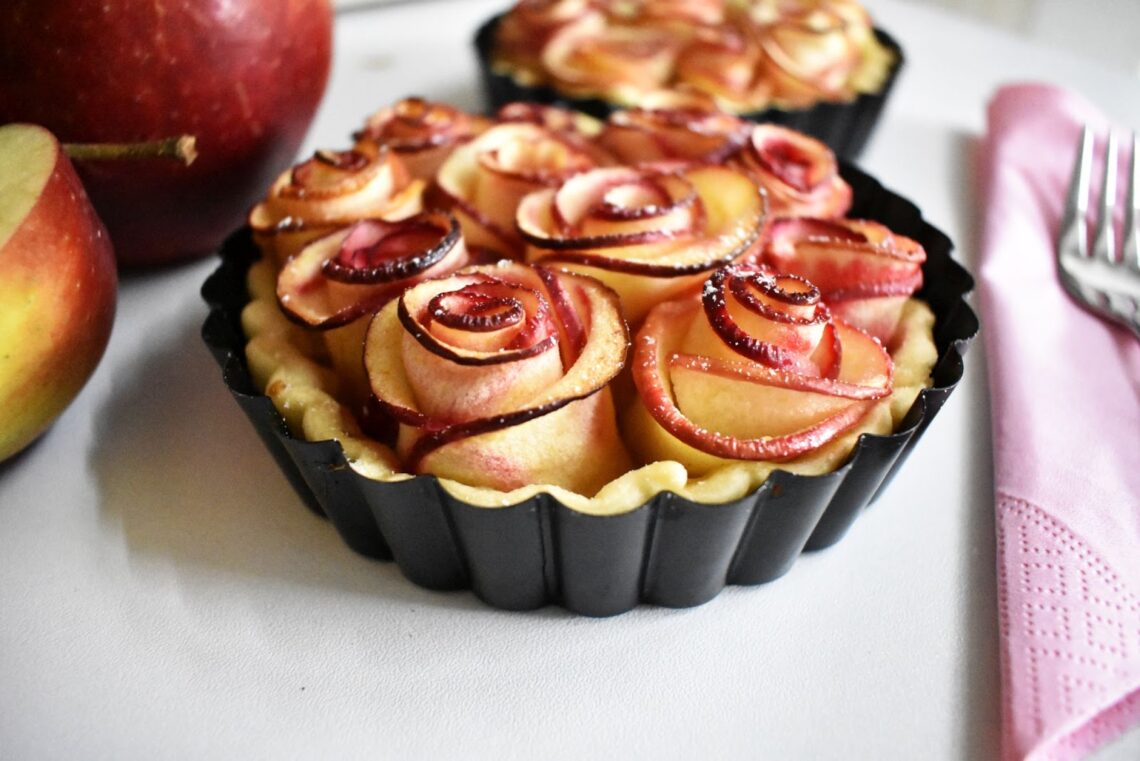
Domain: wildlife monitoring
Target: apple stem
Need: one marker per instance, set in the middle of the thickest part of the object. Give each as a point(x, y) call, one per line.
point(181, 148)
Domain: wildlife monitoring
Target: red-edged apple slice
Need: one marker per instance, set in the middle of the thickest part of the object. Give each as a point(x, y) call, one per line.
point(645, 221)
point(328, 192)
point(864, 271)
point(354, 271)
point(594, 56)
point(484, 180)
point(739, 411)
point(421, 132)
point(699, 134)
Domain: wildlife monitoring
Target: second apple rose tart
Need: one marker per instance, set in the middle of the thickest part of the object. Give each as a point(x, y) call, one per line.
point(819, 66)
point(595, 363)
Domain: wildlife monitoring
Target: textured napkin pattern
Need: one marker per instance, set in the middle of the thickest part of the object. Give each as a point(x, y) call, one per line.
point(1065, 391)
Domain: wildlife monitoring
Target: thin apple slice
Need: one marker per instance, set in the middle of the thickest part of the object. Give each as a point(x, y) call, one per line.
point(649, 232)
point(421, 132)
point(483, 181)
point(352, 272)
point(691, 130)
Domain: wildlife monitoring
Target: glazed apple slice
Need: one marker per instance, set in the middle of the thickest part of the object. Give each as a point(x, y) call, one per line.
point(486, 375)
point(649, 232)
point(865, 271)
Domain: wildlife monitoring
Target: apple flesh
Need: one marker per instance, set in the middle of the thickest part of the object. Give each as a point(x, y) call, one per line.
point(57, 285)
point(244, 77)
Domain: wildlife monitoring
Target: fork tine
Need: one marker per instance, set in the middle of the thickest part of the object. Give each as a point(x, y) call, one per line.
point(1104, 240)
point(1131, 252)
point(1074, 220)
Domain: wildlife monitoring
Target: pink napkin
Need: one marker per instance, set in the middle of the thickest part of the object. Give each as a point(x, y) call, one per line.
point(1065, 391)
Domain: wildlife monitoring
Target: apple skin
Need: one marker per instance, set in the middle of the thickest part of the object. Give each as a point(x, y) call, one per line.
point(57, 285)
point(244, 77)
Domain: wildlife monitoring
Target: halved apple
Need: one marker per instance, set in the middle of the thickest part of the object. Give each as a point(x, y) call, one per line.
point(57, 285)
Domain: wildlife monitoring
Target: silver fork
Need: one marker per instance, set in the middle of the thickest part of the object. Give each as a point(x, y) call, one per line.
point(1105, 280)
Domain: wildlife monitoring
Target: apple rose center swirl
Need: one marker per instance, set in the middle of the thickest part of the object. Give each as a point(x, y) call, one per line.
point(759, 341)
point(649, 232)
point(799, 172)
point(498, 376)
point(865, 271)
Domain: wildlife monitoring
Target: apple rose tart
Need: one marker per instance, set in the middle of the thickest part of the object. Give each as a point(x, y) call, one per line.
point(754, 368)
point(328, 192)
point(489, 422)
point(483, 181)
point(817, 65)
point(420, 132)
point(865, 271)
point(498, 376)
point(650, 232)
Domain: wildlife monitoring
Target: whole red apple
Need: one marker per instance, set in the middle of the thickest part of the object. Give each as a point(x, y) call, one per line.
point(57, 285)
point(244, 77)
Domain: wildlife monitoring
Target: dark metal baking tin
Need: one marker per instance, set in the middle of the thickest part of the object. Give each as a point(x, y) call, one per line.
point(845, 127)
point(669, 551)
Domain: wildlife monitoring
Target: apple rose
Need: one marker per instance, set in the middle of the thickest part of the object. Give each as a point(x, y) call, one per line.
point(341, 278)
point(483, 181)
point(817, 49)
point(554, 118)
point(649, 232)
point(677, 126)
point(727, 63)
point(800, 173)
point(524, 30)
point(420, 132)
point(681, 14)
point(498, 376)
point(865, 272)
point(595, 57)
point(753, 368)
point(329, 191)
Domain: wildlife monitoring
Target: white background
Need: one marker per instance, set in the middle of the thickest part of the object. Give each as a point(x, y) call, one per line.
point(163, 593)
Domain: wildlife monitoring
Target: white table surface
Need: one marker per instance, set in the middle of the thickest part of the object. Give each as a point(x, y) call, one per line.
point(164, 594)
